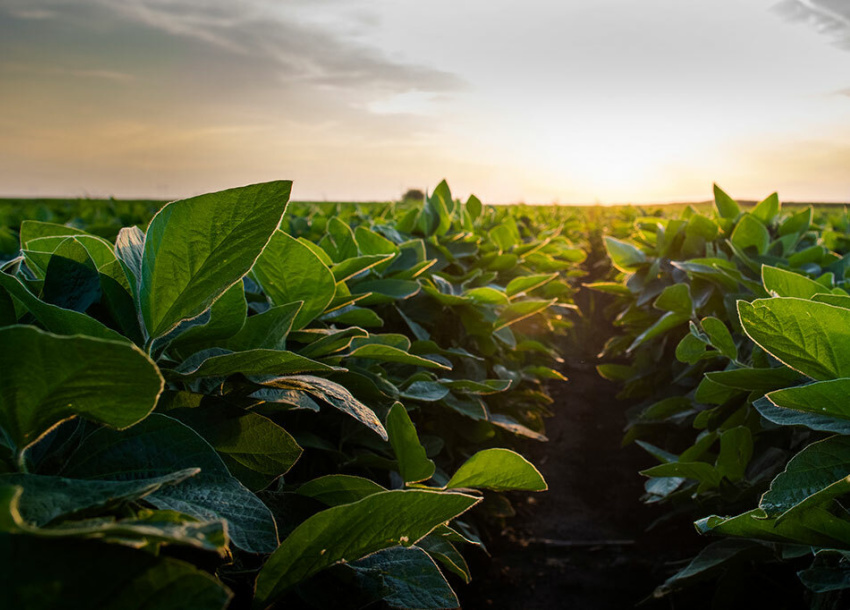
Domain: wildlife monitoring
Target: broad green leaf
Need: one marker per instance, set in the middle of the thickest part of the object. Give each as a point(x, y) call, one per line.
point(35, 229)
point(474, 207)
point(71, 280)
point(520, 310)
point(499, 470)
point(255, 449)
point(756, 380)
point(249, 362)
point(441, 549)
point(736, 449)
point(781, 283)
point(345, 246)
point(726, 206)
point(791, 417)
point(720, 337)
point(768, 209)
point(797, 223)
point(386, 290)
point(73, 574)
point(624, 256)
point(56, 319)
point(289, 271)
point(528, 283)
point(45, 379)
point(148, 528)
point(812, 338)
point(425, 391)
point(267, 330)
point(332, 393)
point(405, 577)
point(823, 398)
point(699, 471)
point(348, 268)
point(751, 233)
point(675, 298)
point(487, 296)
point(349, 532)
point(388, 353)
point(160, 445)
point(814, 477)
point(336, 489)
point(197, 248)
point(467, 386)
point(413, 465)
point(45, 498)
point(667, 322)
point(224, 319)
point(815, 527)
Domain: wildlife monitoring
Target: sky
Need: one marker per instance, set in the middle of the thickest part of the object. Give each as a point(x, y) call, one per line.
point(541, 101)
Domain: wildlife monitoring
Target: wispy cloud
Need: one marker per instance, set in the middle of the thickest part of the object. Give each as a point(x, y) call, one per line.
point(832, 17)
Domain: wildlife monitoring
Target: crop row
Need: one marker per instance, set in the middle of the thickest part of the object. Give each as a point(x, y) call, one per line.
point(234, 406)
point(732, 328)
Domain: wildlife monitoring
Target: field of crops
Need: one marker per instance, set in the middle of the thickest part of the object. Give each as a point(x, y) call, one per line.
point(232, 401)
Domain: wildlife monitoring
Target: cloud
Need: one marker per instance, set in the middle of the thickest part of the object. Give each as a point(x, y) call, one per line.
point(832, 17)
point(257, 36)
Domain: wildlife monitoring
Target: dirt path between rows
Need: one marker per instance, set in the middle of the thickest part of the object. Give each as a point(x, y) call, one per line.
point(582, 544)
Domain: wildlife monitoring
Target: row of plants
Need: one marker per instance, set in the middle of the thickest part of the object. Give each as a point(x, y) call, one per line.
point(731, 337)
point(234, 407)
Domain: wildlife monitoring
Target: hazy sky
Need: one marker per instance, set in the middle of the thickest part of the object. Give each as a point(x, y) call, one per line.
point(535, 100)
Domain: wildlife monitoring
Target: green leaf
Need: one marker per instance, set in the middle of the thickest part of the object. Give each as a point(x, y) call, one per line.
point(768, 209)
point(55, 319)
point(815, 527)
point(756, 380)
point(45, 379)
point(467, 386)
point(781, 283)
point(159, 445)
point(520, 310)
point(352, 531)
point(413, 465)
point(814, 477)
point(49, 574)
point(425, 391)
point(249, 362)
point(699, 471)
point(665, 323)
point(487, 296)
point(474, 207)
point(726, 206)
point(224, 319)
point(736, 449)
point(812, 338)
point(197, 248)
point(45, 498)
point(720, 337)
point(751, 233)
point(675, 298)
point(267, 330)
point(388, 353)
point(35, 229)
point(334, 394)
point(289, 271)
point(255, 449)
point(336, 489)
point(528, 283)
point(624, 256)
point(797, 223)
point(824, 579)
point(499, 470)
point(823, 398)
point(405, 577)
point(348, 268)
